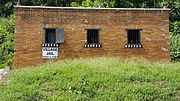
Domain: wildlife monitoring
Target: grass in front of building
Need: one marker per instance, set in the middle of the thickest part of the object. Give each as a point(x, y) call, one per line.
point(94, 79)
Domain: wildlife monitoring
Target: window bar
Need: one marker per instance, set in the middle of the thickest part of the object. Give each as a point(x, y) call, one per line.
point(129, 37)
point(135, 34)
point(139, 38)
point(132, 38)
point(95, 36)
point(93, 41)
point(135, 37)
point(98, 37)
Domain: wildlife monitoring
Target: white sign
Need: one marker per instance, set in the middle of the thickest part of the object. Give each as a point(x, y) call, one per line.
point(49, 52)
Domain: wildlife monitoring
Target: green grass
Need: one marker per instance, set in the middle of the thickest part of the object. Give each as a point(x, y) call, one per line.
point(94, 79)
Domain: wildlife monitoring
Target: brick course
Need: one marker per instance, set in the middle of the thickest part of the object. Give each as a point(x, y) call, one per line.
point(29, 33)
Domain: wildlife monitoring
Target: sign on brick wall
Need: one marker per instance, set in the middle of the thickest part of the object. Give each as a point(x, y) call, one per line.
point(49, 52)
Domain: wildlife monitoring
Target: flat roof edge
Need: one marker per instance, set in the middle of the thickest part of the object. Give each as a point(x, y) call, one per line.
point(92, 8)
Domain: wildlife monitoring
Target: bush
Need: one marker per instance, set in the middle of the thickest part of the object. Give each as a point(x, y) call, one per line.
point(175, 47)
point(175, 41)
point(7, 26)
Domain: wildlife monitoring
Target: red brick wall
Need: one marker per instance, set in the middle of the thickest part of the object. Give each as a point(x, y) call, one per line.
point(30, 22)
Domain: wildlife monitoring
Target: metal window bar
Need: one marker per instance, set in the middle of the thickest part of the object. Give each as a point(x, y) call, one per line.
point(139, 37)
point(134, 36)
point(92, 36)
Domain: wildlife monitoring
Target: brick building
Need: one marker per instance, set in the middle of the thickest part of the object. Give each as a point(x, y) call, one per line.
point(67, 32)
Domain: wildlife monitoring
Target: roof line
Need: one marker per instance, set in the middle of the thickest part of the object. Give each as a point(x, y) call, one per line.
point(93, 8)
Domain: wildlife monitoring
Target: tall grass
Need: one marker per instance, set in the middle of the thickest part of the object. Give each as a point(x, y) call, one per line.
point(94, 79)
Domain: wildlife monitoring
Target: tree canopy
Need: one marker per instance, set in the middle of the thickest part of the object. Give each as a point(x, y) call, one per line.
point(6, 6)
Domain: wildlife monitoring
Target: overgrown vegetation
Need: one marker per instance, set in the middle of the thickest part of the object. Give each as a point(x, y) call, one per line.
point(7, 20)
point(6, 40)
point(95, 79)
point(175, 47)
point(175, 41)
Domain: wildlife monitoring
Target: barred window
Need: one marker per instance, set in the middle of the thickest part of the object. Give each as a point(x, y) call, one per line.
point(133, 38)
point(93, 38)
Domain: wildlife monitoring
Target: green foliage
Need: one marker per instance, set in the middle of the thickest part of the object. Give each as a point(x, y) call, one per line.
point(175, 27)
point(175, 41)
point(6, 7)
point(174, 5)
point(6, 40)
point(45, 2)
point(175, 47)
point(104, 79)
point(94, 3)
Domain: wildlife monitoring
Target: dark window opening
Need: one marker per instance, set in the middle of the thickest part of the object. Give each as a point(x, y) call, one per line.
point(53, 35)
point(50, 36)
point(134, 36)
point(92, 36)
